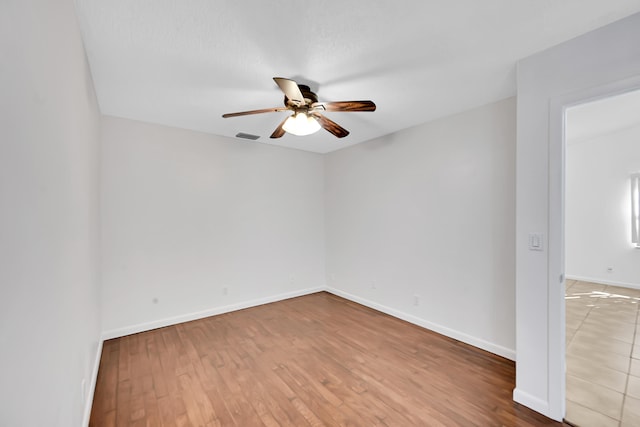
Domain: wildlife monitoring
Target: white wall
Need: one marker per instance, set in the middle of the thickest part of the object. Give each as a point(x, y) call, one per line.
point(49, 143)
point(187, 214)
point(598, 208)
point(429, 211)
point(605, 60)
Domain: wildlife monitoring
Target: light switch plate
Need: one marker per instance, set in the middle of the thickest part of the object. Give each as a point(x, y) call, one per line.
point(535, 242)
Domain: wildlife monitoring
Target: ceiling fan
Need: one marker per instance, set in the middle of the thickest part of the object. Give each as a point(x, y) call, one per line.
point(307, 118)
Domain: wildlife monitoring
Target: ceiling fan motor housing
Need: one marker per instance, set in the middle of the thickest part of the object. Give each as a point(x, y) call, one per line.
point(309, 98)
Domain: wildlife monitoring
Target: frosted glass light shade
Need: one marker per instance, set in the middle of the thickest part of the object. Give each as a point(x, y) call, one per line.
point(300, 124)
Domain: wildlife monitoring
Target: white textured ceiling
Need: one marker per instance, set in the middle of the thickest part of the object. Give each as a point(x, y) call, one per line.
point(185, 63)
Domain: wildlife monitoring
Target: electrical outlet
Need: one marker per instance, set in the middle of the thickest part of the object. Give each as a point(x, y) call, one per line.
point(416, 300)
point(292, 278)
point(225, 291)
point(374, 285)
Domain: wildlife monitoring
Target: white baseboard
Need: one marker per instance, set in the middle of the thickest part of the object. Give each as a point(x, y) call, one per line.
point(532, 402)
point(141, 327)
point(602, 281)
point(451, 333)
point(92, 386)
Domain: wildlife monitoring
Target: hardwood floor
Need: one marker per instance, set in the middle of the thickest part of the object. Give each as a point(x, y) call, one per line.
point(310, 361)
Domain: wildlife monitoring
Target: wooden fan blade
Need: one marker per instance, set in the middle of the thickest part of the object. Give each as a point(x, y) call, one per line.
point(279, 131)
point(348, 106)
point(246, 113)
point(330, 126)
point(290, 89)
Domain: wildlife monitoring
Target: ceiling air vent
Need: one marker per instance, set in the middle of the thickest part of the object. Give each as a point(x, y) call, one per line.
point(247, 136)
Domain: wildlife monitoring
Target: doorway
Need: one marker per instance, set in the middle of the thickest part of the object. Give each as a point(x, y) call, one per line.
point(602, 265)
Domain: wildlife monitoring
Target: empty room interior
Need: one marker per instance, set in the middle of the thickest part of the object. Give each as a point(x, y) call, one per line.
point(329, 213)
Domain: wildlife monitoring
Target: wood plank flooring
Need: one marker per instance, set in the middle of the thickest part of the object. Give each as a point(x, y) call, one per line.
point(316, 360)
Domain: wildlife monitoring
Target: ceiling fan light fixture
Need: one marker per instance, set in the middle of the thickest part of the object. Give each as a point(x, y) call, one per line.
point(301, 124)
point(300, 100)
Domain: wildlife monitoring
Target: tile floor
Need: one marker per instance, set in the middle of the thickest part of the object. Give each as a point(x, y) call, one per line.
point(603, 355)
